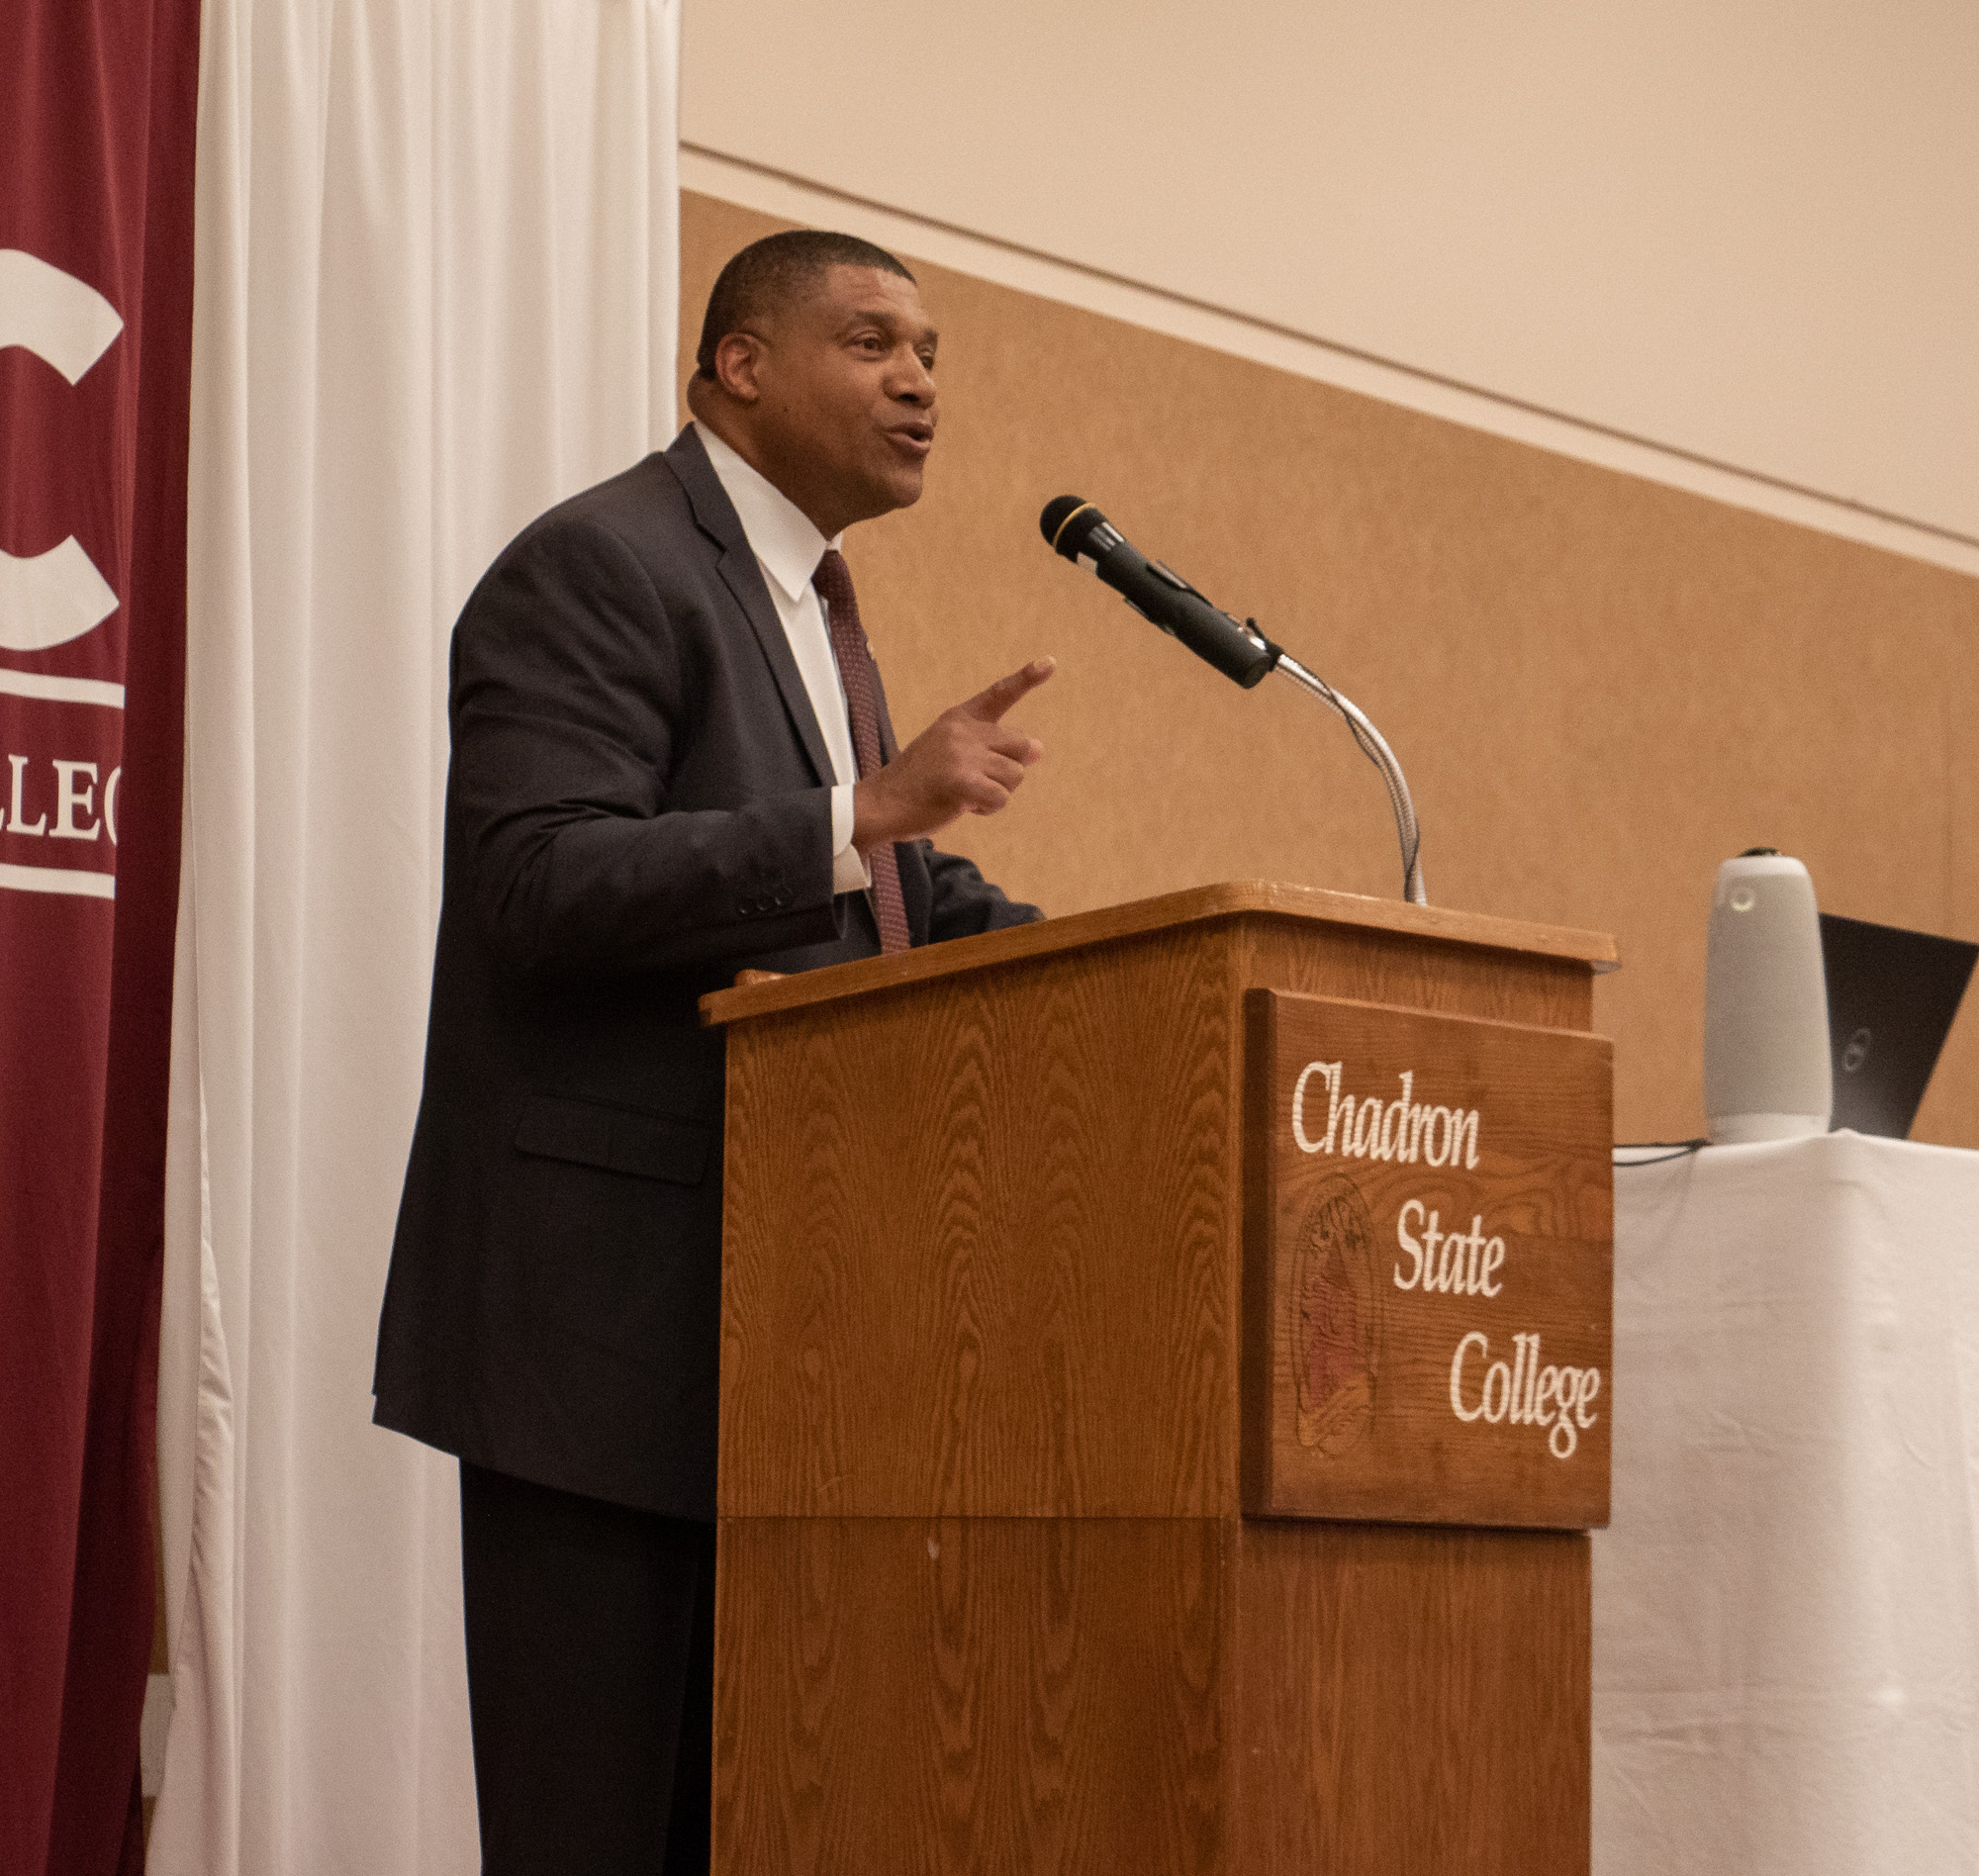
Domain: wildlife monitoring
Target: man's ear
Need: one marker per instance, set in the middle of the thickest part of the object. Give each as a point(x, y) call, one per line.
point(737, 366)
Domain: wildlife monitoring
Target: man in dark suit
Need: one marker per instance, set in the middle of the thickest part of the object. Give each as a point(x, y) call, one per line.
point(670, 759)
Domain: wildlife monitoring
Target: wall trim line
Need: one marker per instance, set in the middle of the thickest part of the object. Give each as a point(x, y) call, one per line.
point(770, 191)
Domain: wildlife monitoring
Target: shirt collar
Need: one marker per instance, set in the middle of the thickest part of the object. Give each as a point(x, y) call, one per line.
point(781, 534)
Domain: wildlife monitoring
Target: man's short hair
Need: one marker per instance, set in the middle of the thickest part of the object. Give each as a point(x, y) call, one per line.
point(769, 274)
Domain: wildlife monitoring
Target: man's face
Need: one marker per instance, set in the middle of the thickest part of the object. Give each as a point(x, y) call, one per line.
point(844, 412)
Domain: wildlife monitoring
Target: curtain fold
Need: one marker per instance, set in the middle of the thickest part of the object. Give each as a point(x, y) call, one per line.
point(436, 273)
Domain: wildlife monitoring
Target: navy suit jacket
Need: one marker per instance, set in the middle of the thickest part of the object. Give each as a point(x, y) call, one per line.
point(638, 805)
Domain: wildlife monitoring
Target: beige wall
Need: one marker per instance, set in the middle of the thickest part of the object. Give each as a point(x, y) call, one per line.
point(1744, 231)
point(1599, 686)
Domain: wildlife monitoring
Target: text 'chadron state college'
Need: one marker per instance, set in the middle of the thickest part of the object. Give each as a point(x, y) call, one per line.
point(1526, 1390)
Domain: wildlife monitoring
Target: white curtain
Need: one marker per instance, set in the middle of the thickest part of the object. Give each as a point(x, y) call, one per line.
point(436, 279)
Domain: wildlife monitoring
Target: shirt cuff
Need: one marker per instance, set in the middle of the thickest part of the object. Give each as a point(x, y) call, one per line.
point(849, 871)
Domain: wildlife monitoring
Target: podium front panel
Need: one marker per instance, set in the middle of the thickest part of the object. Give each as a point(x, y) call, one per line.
point(1428, 1259)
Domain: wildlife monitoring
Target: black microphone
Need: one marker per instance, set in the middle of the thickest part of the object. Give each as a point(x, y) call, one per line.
point(1078, 530)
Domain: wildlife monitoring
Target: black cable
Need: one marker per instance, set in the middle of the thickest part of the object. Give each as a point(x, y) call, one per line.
point(1683, 1149)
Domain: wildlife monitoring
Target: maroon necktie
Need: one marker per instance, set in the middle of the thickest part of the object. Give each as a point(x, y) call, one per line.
point(833, 581)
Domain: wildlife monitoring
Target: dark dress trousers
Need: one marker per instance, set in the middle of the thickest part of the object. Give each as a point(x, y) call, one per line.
point(638, 805)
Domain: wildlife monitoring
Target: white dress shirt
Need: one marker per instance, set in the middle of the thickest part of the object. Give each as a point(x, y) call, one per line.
point(788, 548)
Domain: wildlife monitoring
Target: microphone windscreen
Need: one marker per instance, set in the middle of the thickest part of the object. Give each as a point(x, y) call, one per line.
point(1057, 512)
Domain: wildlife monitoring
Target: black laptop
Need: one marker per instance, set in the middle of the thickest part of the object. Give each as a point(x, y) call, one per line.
point(1891, 999)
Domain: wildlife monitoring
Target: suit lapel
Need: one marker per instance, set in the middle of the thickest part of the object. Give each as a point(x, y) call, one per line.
point(715, 515)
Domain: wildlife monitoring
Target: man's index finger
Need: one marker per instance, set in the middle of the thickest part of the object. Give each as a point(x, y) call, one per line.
point(1006, 692)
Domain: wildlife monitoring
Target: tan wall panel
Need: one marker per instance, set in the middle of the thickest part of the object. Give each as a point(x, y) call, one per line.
point(1740, 231)
point(1951, 1111)
point(1599, 686)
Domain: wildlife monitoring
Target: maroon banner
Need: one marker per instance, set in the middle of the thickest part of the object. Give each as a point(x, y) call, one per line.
point(97, 109)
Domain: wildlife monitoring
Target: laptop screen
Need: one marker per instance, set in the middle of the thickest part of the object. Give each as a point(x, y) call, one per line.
point(1891, 997)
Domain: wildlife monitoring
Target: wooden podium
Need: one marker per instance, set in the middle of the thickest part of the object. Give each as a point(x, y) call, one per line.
point(1164, 1394)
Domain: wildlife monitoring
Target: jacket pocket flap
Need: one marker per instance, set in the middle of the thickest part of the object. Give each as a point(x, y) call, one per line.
point(617, 1139)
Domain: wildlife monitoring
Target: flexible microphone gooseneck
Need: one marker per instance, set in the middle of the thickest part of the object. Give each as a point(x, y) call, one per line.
point(1076, 529)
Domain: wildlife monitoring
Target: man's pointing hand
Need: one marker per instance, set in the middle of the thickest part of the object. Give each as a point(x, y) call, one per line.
point(964, 763)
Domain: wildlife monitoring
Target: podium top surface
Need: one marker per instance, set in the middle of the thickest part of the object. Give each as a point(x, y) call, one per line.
point(1197, 905)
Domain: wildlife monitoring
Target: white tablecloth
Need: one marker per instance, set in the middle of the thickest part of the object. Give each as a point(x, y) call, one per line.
point(1786, 1606)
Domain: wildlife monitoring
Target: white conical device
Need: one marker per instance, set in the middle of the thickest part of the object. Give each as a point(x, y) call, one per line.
point(1766, 1073)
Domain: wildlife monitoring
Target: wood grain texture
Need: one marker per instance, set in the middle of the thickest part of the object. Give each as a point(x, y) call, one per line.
point(984, 1239)
point(981, 1244)
point(1410, 1703)
point(1485, 979)
point(986, 1599)
point(914, 1697)
point(1356, 1309)
point(1599, 686)
point(986, 1697)
point(1387, 931)
point(984, 1228)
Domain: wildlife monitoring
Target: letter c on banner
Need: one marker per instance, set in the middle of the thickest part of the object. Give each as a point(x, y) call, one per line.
point(49, 599)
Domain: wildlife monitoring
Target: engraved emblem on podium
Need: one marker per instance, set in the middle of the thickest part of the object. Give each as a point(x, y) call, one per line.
point(1336, 1324)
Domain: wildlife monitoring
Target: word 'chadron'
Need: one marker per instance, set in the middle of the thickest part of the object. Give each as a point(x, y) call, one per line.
point(1402, 1129)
